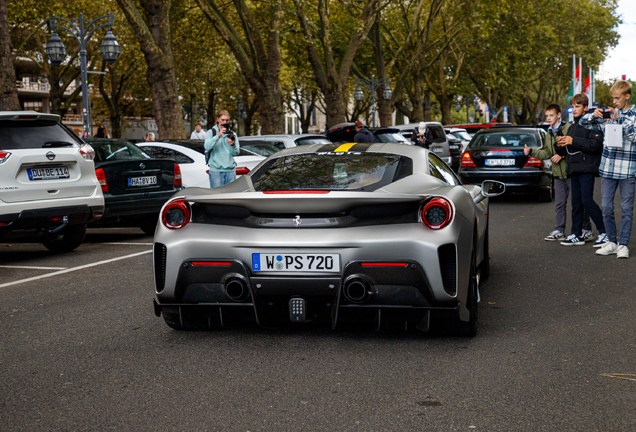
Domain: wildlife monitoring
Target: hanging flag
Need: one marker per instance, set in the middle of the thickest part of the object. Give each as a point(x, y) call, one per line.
point(587, 89)
point(577, 79)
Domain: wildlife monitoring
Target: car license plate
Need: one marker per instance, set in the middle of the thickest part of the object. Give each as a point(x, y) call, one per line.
point(296, 262)
point(500, 162)
point(48, 173)
point(438, 150)
point(142, 181)
point(454, 146)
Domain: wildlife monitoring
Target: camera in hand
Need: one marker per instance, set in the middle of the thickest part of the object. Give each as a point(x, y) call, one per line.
point(607, 114)
point(230, 134)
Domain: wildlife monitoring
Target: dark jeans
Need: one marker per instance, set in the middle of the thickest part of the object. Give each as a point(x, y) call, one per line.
point(583, 199)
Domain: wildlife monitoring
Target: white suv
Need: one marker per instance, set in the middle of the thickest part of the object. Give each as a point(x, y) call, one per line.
point(48, 187)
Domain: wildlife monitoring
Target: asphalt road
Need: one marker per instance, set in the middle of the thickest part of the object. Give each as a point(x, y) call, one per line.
point(80, 349)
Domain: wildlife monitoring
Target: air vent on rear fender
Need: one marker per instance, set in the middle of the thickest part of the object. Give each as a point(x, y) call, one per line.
point(160, 266)
point(448, 267)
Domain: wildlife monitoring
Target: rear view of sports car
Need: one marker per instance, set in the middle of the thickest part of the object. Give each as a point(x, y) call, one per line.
point(375, 233)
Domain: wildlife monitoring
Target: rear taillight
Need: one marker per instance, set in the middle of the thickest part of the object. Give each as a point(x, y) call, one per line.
point(87, 152)
point(242, 170)
point(176, 214)
point(101, 177)
point(177, 176)
point(467, 161)
point(4, 156)
point(437, 213)
point(534, 162)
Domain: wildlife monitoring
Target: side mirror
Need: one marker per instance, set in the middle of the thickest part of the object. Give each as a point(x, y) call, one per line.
point(489, 189)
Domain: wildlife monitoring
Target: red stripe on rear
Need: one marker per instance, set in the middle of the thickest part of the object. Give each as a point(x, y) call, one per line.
point(298, 192)
point(212, 263)
point(380, 264)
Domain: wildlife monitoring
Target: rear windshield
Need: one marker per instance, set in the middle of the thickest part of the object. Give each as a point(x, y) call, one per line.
point(314, 171)
point(31, 134)
point(309, 141)
point(262, 148)
point(439, 136)
point(391, 137)
point(116, 150)
point(506, 140)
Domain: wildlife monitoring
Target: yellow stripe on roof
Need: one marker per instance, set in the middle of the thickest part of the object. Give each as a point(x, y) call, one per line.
point(344, 147)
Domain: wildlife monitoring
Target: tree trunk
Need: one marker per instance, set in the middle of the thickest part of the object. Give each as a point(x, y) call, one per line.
point(152, 31)
point(445, 106)
point(8, 91)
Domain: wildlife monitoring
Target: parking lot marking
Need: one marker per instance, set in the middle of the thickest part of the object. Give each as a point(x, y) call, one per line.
point(621, 376)
point(34, 268)
point(72, 269)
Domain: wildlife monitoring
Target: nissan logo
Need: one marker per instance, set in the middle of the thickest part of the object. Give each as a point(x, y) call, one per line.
point(142, 166)
point(50, 155)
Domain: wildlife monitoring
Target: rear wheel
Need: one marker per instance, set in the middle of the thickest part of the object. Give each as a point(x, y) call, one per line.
point(149, 226)
point(66, 240)
point(545, 195)
point(469, 328)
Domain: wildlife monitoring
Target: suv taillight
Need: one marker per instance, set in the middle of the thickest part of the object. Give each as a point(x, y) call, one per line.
point(177, 176)
point(437, 213)
point(534, 162)
point(467, 161)
point(87, 152)
point(4, 156)
point(101, 177)
point(176, 214)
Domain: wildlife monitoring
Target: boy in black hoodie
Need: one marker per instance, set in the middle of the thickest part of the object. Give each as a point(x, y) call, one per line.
point(584, 148)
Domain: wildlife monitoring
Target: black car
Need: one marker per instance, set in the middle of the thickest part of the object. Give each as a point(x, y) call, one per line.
point(344, 133)
point(497, 154)
point(135, 186)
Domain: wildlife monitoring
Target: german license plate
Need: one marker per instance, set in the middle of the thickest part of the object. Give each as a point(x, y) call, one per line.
point(296, 262)
point(142, 181)
point(500, 162)
point(438, 150)
point(48, 173)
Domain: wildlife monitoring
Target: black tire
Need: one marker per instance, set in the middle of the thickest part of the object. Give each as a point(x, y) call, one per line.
point(469, 328)
point(149, 226)
point(484, 267)
point(545, 195)
point(66, 240)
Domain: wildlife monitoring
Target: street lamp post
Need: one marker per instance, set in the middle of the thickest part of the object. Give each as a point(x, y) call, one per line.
point(372, 85)
point(82, 29)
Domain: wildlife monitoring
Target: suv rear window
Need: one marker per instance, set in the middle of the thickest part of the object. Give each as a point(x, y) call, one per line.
point(31, 134)
point(365, 171)
point(263, 148)
point(506, 140)
point(439, 136)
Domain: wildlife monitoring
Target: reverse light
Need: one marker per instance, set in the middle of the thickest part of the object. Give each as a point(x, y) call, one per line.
point(177, 176)
point(467, 161)
point(242, 170)
point(4, 156)
point(437, 213)
point(176, 214)
point(101, 177)
point(87, 152)
point(534, 162)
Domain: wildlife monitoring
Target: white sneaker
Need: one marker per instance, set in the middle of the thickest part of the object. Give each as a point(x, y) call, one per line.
point(608, 248)
point(622, 252)
point(587, 236)
point(601, 241)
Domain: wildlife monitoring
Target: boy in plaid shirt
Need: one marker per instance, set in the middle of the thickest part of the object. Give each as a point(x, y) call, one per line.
point(617, 169)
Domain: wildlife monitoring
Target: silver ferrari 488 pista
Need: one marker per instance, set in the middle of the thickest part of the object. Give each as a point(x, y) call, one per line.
point(331, 233)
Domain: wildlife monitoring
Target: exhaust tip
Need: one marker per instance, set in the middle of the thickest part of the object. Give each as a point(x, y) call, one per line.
point(357, 291)
point(236, 289)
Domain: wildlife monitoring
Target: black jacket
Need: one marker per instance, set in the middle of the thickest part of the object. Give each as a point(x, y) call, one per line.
point(584, 155)
point(364, 136)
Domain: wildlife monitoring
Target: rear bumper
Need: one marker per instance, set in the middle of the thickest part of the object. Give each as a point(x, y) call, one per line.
point(517, 180)
point(133, 206)
point(34, 223)
point(394, 294)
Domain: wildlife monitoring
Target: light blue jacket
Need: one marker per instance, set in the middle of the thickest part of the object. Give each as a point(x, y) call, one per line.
point(221, 152)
